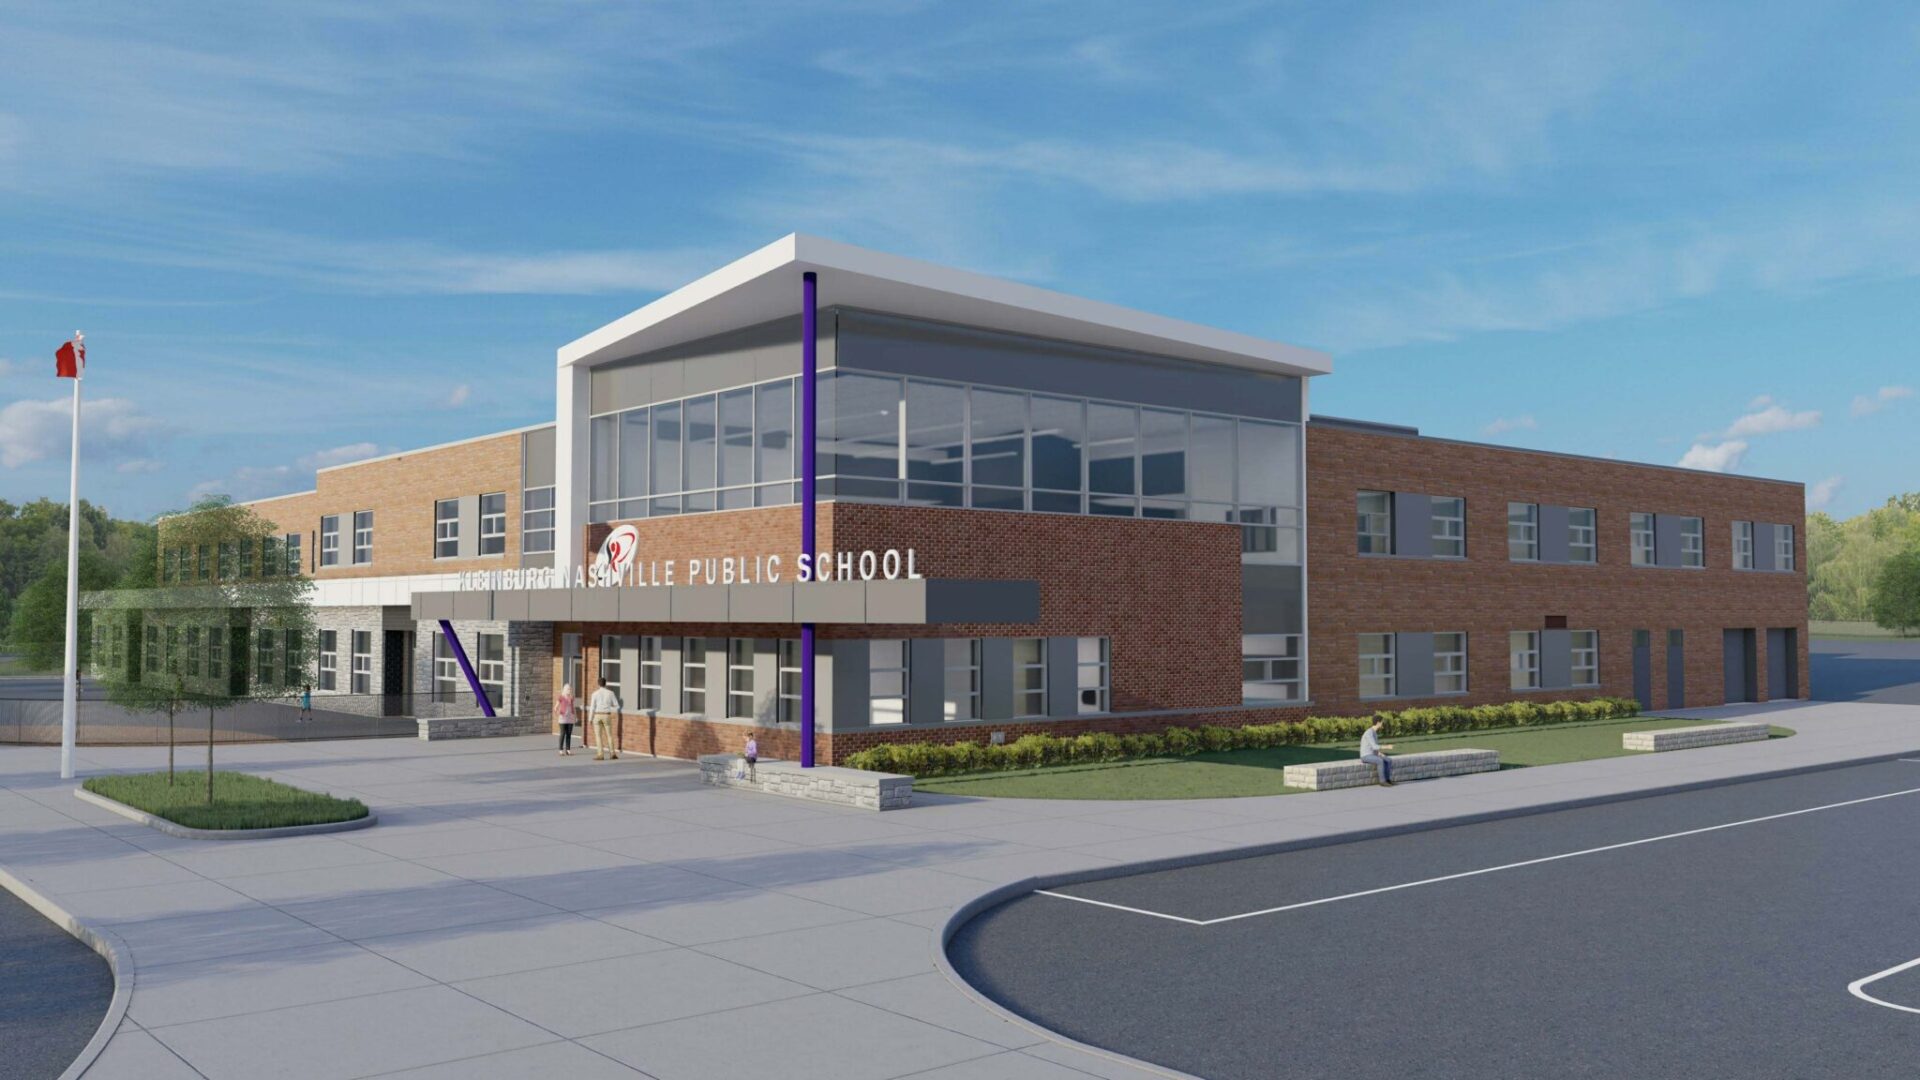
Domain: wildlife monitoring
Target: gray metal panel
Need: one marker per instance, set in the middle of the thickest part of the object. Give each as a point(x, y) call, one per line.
point(751, 354)
point(1413, 664)
point(1779, 663)
point(1271, 599)
point(510, 605)
point(902, 602)
point(927, 675)
point(468, 544)
point(550, 605)
point(698, 603)
point(847, 665)
point(428, 606)
point(1763, 541)
point(1412, 524)
point(670, 674)
point(917, 347)
point(629, 688)
point(959, 601)
point(1553, 534)
point(716, 677)
point(1556, 659)
point(766, 680)
point(646, 603)
point(537, 457)
point(996, 678)
point(473, 606)
point(760, 603)
point(597, 605)
point(1666, 539)
point(830, 602)
point(1063, 676)
point(537, 559)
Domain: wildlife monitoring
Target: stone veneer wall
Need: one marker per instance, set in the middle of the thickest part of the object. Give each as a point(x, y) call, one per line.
point(343, 621)
point(528, 690)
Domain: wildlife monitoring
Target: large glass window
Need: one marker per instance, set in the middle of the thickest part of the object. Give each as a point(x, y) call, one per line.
point(610, 661)
point(1523, 660)
point(693, 676)
point(1113, 449)
point(1783, 547)
point(651, 672)
point(193, 651)
point(1523, 532)
point(663, 463)
point(536, 521)
point(703, 440)
point(446, 670)
point(1092, 671)
point(290, 656)
point(862, 447)
point(789, 687)
point(362, 537)
point(740, 678)
point(1693, 550)
point(492, 667)
point(1059, 439)
point(330, 540)
point(1586, 657)
point(1163, 463)
point(217, 652)
point(329, 659)
point(362, 659)
point(773, 425)
point(1376, 666)
point(887, 681)
point(636, 439)
point(936, 451)
point(493, 523)
point(999, 430)
point(735, 476)
point(1641, 528)
point(1449, 524)
point(1743, 545)
point(1450, 663)
point(1374, 528)
point(1583, 535)
point(1030, 677)
point(271, 560)
point(291, 544)
point(264, 671)
point(1210, 466)
point(603, 449)
point(961, 700)
point(446, 528)
point(1270, 667)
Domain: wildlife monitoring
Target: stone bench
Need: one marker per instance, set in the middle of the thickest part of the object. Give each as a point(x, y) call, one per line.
point(1352, 772)
point(435, 728)
point(1687, 738)
point(824, 783)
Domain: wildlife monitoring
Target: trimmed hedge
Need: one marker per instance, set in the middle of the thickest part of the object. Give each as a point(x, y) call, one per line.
point(925, 759)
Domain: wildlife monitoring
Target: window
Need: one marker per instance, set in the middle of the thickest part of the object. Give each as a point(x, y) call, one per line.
point(1030, 677)
point(651, 672)
point(1586, 657)
point(330, 540)
point(701, 415)
point(536, 521)
point(1270, 667)
point(290, 656)
point(193, 650)
point(174, 658)
point(1641, 527)
point(1583, 535)
point(735, 476)
point(153, 649)
point(290, 544)
point(1523, 532)
point(228, 551)
point(1091, 673)
point(610, 661)
point(217, 652)
point(493, 523)
point(1376, 666)
point(493, 667)
point(773, 440)
point(271, 560)
point(1059, 441)
point(936, 447)
point(246, 558)
point(446, 670)
point(446, 528)
point(1450, 663)
point(329, 659)
point(1375, 528)
point(205, 559)
point(788, 707)
point(1523, 660)
point(999, 433)
point(887, 681)
point(1743, 545)
point(1113, 445)
point(264, 671)
point(362, 659)
point(961, 698)
point(1449, 527)
point(1693, 554)
point(362, 537)
point(740, 678)
point(693, 676)
point(1783, 547)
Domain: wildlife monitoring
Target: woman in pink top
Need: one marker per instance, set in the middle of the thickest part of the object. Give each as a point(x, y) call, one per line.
point(563, 712)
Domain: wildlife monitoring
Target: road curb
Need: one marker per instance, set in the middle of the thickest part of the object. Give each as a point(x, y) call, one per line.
point(994, 897)
point(185, 832)
point(101, 940)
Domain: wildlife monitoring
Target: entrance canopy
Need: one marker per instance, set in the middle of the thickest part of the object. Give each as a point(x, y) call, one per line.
point(917, 602)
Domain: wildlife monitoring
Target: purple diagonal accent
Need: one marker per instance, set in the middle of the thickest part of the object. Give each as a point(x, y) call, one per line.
point(466, 667)
point(809, 488)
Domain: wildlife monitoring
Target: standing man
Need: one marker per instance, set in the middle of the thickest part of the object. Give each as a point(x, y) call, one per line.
point(602, 710)
point(1370, 750)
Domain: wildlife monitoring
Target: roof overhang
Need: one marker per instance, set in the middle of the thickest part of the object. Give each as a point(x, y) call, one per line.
point(909, 602)
point(765, 286)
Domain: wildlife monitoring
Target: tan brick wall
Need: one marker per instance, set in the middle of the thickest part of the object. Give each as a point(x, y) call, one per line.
point(1488, 596)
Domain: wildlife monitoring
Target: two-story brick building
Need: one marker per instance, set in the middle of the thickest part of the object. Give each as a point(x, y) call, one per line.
point(832, 491)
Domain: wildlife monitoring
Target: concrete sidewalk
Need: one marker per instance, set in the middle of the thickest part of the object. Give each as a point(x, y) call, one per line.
point(517, 914)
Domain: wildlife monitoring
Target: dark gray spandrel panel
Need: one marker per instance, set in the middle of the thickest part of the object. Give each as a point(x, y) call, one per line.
point(1666, 539)
point(996, 678)
point(1554, 532)
point(537, 457)
point(847, 661)
point(1413, 664)
point(1271, 599)
point(769, 350)
point(989, 601)
point(1063, 672)
point(904, 346)
point(926, 675)
point(1412, 525)
point(1763, 541)
point(1556, 659)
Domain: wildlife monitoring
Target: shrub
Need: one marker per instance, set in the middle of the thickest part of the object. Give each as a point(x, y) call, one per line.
point(925, 759)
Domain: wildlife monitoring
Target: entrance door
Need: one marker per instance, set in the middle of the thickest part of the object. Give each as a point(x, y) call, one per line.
point(396, 674)
point(1783, 663)
point(1736, 659)
point(572, 671)
point(1643, 668)
point(1676, 669)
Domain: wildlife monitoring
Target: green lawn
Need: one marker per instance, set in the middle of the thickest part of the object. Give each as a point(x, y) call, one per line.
point(1236, 773)
point(240, 801)
point(1850, 631)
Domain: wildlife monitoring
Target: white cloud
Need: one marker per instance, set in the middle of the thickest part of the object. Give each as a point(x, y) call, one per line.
point(8, 367)
point(1505, 424)
point(1772, 420)
point(340, 455)
point(33, 430)
point(1760, 402)
point(139, 465)
point(1867, 404)
point(1716, 457)
point(1822, 493)
point(459, 396)
point(247, 482)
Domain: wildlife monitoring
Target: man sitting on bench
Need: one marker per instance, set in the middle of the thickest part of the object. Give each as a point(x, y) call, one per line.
point(1370, 751)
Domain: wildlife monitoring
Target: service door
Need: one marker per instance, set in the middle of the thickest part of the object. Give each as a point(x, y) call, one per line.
point(1643, 668)
point(1736, 659)
point(1783, 663)
point(1676, 669)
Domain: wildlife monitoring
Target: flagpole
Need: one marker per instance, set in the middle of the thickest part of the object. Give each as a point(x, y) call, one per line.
point(70, 676)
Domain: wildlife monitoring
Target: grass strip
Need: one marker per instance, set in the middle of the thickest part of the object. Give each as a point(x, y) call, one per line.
point(240, 800)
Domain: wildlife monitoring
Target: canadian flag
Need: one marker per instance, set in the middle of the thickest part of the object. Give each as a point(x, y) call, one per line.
point(71, 359)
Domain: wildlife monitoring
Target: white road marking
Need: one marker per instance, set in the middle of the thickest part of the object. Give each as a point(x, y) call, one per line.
point(1487, 870)
point(1857, 986)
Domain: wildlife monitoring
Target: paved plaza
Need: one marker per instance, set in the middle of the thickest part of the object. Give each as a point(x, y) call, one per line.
point(517, 914)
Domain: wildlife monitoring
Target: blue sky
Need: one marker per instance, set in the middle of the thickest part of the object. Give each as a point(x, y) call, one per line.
point(300, 232)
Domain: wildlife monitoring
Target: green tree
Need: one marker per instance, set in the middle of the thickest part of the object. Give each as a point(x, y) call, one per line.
point(39, 623)
point(1844, 558)
point(1896, 593)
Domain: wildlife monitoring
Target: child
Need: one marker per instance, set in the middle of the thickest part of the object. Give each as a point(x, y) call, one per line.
point(752, 754)
point(306, 702)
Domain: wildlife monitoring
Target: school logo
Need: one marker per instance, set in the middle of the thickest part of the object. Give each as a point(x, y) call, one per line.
point(616, 554)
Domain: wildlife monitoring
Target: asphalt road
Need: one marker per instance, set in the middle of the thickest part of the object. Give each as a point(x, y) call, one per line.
point(1725, 953)
point(1887, 672)
point(53, 992)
